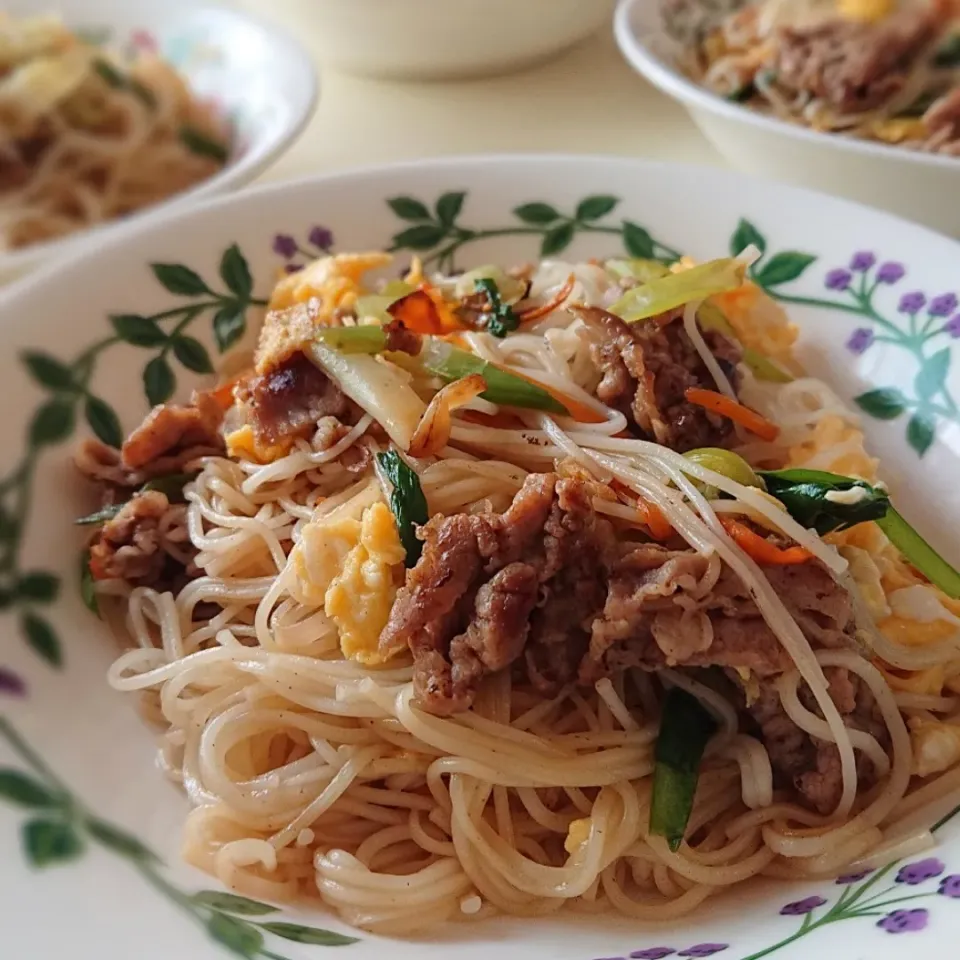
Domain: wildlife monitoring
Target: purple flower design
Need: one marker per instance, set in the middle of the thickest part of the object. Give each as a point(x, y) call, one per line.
point(890, 272)
point(950, 886)
point(703, 950)
point(904, 921)
point(914, 873)
point(11, 684)
point(862, 261)
point(838, 279)
point(799, 907)
point(912, 302)
point(856, 877)
point(652, 953)
point(860, 340)
point(285, 245)
point(953, 326)
point(321, 237)
point(943, 305)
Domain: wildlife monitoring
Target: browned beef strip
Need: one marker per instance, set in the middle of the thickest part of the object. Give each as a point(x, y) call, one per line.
point(170, 429)
point(648, 367)
point(854, 66)
point(289, 399)
point(402, 340)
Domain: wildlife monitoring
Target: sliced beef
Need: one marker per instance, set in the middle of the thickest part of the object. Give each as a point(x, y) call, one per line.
point(647, 368)
point(170, 431)
point(855, 66)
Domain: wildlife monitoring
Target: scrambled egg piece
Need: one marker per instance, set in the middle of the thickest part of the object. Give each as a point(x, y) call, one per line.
point(865, 11)
point(241, 444)
point(866, 575)
point(334, 281)
point(833, 431)
point(353, 567)
point(914, 633)
point(577, 835)
point(936, 746)
point(928, 681)
point(898, 130)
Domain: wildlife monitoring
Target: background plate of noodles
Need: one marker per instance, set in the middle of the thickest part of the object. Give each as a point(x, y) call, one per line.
point(637, 689)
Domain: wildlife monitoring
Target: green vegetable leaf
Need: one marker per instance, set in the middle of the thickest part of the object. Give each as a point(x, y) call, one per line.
point(99, 516)
point(407, 208)
point(407, 502)
point(915, 549)
point(745, 234)
point(782, 268)
point(312, 935)
point(557, 239)
point(637, 241)
point(48, 371)
point(236, 935)
point(46, 842)
point(685, 729)
point(42, 639)
point(200, 144)
point(171, 485)
point(119, 841)
point(38, 586)
point(235, 272)
point(87, 592)
point(103, 421)
point(158, 380)
point(192, 354)
point(933, 374)
point(884, 403)
point(53, 422)
point(536, 213)
point(138, 331)
point(179, 279)
point(921, 432)
point(593, 208)
point(502, 319)
point(231, 903)
point(229, 325)
point(422, 237)
point(449, 206)
point(24, 791)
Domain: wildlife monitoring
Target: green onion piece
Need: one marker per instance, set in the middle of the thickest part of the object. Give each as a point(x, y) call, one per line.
point(502, 318)
point(99, 516)
point(87, 592)
point(407, 502)
point(109, 73)
point(642, 270)
point(450, 363)
point(741, 94)
point(376, 304)
point(202, 145)
point(726, 463)
point(919, 553)
point(142, 92)
point(368, 339)
point(170, 485)
point(711, 317)
point(674, 290)
point(685, 729)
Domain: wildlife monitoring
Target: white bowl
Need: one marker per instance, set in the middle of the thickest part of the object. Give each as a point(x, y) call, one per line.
point(430, 40)
point(262, 79)
point(923, 187)
point(81, 787)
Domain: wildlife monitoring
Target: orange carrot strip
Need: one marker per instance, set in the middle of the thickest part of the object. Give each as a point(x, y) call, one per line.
point(655, 521)
point(535, 313)
point(760, 549)
point(737, 412)
point(579, 411)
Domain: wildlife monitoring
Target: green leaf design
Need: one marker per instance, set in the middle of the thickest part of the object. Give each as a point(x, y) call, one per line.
point(236, 935)
point(557, 239)
point(103, 421)
point(593, 208)
point(38, 586)
point(536, 213)
point(449, 206)
point(407, 208)
point(46, 842)
point(47, 371)
point(87, 592)
point(229, 325)
point(192, 354)
point(42, 639)
point(423, 237)
point(745, 234)
point(119, 841)
point(933, 374)
point(921, 431)
point(637, 241)
point(53, 422)
point(24, 791)
point(235, 272)
point(313, 935)
point(782, 268)
point(138, 331)
point(231, 903)
point(885, 403)
point(179, 279)
point(158, 380)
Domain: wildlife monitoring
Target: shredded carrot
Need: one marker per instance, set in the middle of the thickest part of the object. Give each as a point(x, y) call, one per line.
point(579, 411)
point(535, 313)
point(760, 549)
point(424, 311)
point(655, 521)
point(737, 412)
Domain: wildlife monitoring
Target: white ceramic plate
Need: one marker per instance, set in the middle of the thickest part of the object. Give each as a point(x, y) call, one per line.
point(919, 186)
point(261, 80)
point(89, 828)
